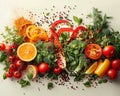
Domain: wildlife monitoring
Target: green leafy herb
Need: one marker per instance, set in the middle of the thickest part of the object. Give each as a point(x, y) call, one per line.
point(29, 76)
point(12, 35)
point(4, 76)
point(102, 81)
point(46, 53)
point(74, 55)
point(77, 20)
point(87, 84)
point(50, 85)
point(24, 83)
point(3, 56)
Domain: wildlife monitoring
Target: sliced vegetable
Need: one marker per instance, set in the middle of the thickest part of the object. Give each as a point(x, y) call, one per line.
point(61, 61)
point(75, 32)
point(92, 68)
point(93, 51)
point(35, 33)
point(102, 68)
point(62, 30)
point(56, 23)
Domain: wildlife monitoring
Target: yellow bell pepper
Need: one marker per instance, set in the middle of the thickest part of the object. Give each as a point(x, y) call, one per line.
point(102, 68)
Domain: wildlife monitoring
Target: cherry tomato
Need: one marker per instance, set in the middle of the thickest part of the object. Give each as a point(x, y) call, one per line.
point(9, 74)
point(57, 70)
point(24, 66)
point(93, 51)
point(43, 67)
point(12, 68)
point(116, 64)
point(19, 63)
point(112, 73)
point(2, 46)
point(17, 74)
point(9, 49)
point(14, 46)
point(109, 51)
point(11, 58)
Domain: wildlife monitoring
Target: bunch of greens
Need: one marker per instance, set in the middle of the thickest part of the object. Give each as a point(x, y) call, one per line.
point(12, 36)
point(45, 53)
point(75, 58)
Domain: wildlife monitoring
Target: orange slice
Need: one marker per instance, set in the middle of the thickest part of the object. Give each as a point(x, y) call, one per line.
point(32, 69)
point(27, 51)
point(92, 68)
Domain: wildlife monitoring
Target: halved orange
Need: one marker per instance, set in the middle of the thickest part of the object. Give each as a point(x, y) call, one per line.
point(32, 69)
point(27, 51)
point(92, 68)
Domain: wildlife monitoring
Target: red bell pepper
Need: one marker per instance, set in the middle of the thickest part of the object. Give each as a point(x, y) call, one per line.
point(62, 30)
point(75, 32)
point(55, 38)
point(53, 25)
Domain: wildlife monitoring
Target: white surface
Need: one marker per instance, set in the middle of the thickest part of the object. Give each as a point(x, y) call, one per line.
point(9, 11)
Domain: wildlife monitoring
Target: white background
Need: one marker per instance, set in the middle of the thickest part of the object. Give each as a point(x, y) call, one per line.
point(9, 11)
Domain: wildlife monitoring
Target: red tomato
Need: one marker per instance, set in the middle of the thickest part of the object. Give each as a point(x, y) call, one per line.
point(19, 63)
point(14, 46)
point(43, 67)
point(109, 51)
point(116, 64)
point(9, 49)
point(93, 51)
point(11, 58)
point(23, 67)
point(112, 73)
point(17, 74)
point(57, 70)
point(2, 46)
point(12, 68)
point(9, 74)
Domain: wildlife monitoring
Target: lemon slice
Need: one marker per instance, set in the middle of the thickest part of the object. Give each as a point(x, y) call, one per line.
point(32, 69)
point(92, 68)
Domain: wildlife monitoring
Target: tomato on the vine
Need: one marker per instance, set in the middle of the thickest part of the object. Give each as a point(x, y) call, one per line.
point(43, 67)
point(109, 51)
point(115, 64)
point(112, 73)
point(93, 51)
point(17, 74)
point(57, 70)
point(2, 46)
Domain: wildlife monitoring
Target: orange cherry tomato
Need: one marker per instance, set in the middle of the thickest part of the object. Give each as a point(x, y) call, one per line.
point(93, 51)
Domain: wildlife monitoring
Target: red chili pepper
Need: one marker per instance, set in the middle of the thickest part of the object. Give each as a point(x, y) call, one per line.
point(61, 30)
point(75, 32)
point(59, 22)
point(55, 38)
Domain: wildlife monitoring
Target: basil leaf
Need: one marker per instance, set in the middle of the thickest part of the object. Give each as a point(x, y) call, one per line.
point(77, 20)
